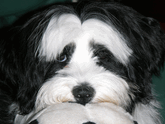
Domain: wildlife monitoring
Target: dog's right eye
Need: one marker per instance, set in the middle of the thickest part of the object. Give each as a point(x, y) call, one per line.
point(66, 54)
point(61, 58)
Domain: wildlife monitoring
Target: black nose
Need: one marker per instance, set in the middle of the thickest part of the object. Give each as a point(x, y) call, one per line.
point(83, 93)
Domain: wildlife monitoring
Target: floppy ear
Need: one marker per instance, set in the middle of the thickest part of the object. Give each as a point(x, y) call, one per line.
point(156, 45)
point(147, 41)
point(148, 45)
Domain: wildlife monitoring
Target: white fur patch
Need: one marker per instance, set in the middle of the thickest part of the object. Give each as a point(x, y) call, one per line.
point(68, 28)
point(147, 114)
point(60, 32)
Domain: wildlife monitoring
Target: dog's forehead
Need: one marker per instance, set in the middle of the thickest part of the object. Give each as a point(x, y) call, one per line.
point(68, 28)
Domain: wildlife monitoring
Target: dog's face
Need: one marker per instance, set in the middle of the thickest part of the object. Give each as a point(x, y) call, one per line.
point(91, 54)
point(94, 53)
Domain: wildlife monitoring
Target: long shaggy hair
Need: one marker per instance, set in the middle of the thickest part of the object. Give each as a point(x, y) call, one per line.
point(85, 53)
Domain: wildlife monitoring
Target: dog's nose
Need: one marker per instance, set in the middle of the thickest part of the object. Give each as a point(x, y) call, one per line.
point(83, 93)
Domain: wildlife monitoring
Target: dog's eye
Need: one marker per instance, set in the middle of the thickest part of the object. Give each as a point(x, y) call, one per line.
point(61, 58)
point(102, 54)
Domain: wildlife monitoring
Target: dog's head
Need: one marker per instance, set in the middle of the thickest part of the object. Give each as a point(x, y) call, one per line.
point(97, 52)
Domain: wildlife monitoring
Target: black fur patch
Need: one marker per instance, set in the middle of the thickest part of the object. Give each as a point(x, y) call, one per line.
point(34, 122)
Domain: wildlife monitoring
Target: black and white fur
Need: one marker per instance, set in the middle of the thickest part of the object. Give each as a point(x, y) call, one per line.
point(86, 53)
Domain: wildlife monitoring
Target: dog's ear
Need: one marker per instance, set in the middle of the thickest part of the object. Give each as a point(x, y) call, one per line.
point(156, 45)
point(147, 41)
point(148, 45)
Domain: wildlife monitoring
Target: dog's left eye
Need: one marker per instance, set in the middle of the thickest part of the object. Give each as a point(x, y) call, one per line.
point(61, 58)
point(102, 55)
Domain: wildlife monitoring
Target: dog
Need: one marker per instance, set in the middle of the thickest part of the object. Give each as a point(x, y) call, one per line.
point(88, 52)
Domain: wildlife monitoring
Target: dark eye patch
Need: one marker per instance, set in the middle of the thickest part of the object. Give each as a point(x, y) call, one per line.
point(66, 53)
point(107, 60)
point(102, 53)
point(61, 61)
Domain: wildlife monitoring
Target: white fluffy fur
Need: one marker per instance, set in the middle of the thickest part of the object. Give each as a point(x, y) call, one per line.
point(59, 88)
point(68, 28)
point(60, 32)
point(147, 114)
point(72, 113)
